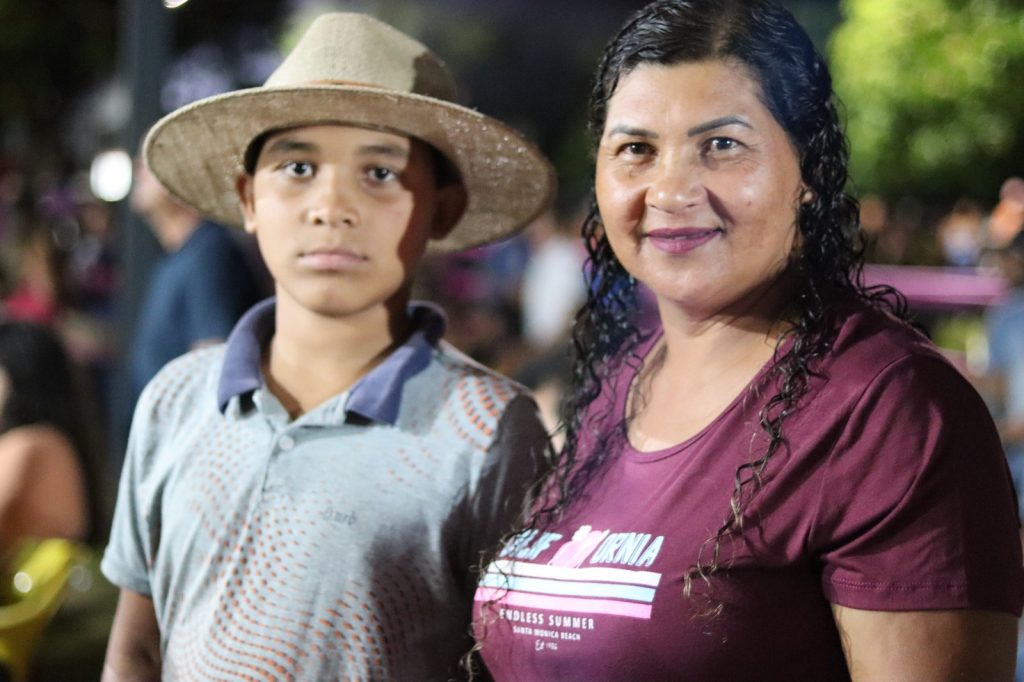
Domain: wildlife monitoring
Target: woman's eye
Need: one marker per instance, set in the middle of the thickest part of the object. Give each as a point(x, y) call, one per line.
point(722, 144)
point(635, 149)
point(298, 169)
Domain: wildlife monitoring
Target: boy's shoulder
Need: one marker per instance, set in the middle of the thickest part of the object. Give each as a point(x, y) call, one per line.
point(459, 391)
point(466, 370)
point(187, 382)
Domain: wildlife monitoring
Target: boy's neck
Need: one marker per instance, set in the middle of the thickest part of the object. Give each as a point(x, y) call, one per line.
point(312, 358)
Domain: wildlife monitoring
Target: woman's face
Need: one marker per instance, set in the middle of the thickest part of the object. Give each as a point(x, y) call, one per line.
point(698, 187)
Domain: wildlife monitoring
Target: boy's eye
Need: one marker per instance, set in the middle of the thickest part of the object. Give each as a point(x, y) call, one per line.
point(299, 169)
point(381, 174)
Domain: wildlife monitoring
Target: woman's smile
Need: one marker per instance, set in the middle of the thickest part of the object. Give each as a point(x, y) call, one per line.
point(680, 240)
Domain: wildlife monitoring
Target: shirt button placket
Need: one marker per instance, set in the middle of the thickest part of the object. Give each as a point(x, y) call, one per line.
point(284, 444)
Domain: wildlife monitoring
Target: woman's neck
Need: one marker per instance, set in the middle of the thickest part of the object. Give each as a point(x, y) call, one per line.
point(695, 371)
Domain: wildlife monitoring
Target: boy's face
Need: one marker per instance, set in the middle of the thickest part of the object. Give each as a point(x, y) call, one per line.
point(342, 215)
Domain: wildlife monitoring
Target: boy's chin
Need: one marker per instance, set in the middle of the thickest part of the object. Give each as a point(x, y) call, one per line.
point(347, 306)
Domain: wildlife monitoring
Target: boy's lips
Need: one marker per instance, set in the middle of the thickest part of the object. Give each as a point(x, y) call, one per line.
point(327, 259)
point(677, 240)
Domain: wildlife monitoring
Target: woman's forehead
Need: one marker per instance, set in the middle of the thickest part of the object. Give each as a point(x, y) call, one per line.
point(705, 88)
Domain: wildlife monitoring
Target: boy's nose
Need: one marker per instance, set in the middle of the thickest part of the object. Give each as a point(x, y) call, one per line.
point(333, 207)
point(331, 216)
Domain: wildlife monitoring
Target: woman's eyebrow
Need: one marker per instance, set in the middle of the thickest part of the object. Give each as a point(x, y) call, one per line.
point(622, 129)
point(717, 123)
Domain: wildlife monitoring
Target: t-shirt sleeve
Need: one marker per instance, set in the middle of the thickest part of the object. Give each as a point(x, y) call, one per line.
point(513, 463)
point(917, 510)
point(134, 530)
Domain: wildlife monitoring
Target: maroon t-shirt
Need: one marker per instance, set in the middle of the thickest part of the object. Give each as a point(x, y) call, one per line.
point(892, 493)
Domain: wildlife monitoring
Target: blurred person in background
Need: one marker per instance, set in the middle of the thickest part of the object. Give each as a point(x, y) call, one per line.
point(35, 276)
point(49, 481)
point(1008, 216)
point(960, 234)
point(1003, 379)
point(197, 291)
point(552, 290)
point(552, 284)
point(1005, 332)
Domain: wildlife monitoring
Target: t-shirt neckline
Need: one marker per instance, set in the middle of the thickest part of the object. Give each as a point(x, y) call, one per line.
point(625, 380)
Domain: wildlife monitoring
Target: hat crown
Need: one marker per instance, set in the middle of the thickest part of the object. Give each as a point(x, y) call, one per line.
point(356, 49)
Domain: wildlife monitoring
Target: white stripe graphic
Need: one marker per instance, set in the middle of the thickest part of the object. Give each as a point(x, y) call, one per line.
point(506, 567)
point(569, 588)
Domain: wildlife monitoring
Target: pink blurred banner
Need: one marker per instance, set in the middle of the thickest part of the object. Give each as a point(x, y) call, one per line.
point(940, 288)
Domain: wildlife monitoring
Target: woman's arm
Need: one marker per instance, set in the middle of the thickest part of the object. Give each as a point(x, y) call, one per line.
point(927, 646)
point(133, 652)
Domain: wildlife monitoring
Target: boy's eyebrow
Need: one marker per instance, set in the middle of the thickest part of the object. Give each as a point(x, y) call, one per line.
point(286, 145)
point(717, 123)
point(386, 150)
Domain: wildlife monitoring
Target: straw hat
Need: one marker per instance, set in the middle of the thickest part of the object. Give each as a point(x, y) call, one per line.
point(352, 69)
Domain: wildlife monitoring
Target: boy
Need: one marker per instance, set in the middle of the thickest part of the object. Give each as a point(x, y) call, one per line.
point(309, 500)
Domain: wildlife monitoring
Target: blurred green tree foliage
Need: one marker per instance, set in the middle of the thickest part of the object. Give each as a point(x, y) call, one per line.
point(934, 95)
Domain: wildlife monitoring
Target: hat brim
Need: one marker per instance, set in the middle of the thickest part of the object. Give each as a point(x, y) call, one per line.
point(196, 151)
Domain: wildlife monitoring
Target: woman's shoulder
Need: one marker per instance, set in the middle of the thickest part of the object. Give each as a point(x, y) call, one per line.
point(28, 451)
point(872, 337)
point(34, 440)
point(875, 348)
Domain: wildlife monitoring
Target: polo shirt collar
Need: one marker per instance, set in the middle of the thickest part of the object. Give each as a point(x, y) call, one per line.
point(376, 396)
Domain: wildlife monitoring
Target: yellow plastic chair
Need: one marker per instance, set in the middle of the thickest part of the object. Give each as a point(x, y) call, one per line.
point(38, 580)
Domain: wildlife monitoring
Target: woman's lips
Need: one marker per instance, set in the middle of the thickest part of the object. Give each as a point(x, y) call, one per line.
point(676, 240)
point(330, 260)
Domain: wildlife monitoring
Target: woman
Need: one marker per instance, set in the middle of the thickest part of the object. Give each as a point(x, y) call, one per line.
point(47, 482)
point(783, 471)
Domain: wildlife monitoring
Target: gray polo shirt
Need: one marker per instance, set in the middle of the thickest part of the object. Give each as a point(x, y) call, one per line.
point(339, 545)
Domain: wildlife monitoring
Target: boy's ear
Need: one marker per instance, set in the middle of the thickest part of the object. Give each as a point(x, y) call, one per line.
point(451, 204)
point(243, 187)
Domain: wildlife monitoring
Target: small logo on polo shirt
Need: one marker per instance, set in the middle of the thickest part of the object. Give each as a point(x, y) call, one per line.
point(335, 516)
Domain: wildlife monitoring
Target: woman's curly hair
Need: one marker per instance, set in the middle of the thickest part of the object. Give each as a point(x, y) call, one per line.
point(764, 39)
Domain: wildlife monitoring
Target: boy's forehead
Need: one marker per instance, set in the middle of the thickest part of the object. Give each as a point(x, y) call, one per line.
point(337, 132)
point(331, 139)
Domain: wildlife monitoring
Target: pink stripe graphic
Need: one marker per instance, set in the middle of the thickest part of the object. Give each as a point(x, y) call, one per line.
point(573, 604)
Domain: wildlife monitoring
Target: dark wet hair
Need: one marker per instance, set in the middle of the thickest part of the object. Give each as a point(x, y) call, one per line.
point(46, 388)
point(764, 39)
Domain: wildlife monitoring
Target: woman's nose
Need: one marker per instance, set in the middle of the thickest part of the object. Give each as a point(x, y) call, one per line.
point(677, 185)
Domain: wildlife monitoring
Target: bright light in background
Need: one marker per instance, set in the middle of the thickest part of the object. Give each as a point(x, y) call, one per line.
point(174, 4)
point(110, 176)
